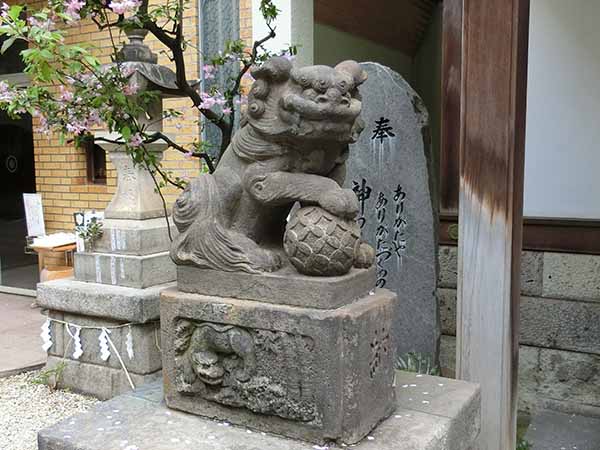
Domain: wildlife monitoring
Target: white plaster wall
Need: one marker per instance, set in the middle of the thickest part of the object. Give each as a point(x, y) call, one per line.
point(293, 26)
point(562, 156)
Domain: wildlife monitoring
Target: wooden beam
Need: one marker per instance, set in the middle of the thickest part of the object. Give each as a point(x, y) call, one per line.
point(542, 234)
point(492, 139)
point(398, 24)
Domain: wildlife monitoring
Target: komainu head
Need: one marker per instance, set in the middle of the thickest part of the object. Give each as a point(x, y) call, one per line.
point(315, 102)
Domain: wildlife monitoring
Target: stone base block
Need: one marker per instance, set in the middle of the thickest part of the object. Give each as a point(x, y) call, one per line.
point(125, 270)
point(92, 379)
point(284, 287)
point(145, 340)
point(140, 419)
point(99, 300)
point(311, 374)
point(135, 237)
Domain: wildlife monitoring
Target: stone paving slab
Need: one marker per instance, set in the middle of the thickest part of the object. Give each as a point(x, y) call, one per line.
point(20, 343)
point(551, 430)
point(141, 421)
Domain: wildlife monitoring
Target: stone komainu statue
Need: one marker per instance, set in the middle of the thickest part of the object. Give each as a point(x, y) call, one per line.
point(291, 148)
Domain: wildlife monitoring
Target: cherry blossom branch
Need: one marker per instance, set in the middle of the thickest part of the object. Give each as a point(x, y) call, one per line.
point(162, 197)
point(160, 136)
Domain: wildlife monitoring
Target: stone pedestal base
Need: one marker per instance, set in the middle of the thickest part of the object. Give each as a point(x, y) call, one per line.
point(132, 253)
point(284, 287)
point(135, 237)
point(312, 374)
point(96, 305)
point(99, 381)
point(124, 270)
point(446, 418)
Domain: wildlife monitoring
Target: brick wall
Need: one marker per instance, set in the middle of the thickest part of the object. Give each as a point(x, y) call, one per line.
point(60, 170)
point(559, 364)
point(246, 21)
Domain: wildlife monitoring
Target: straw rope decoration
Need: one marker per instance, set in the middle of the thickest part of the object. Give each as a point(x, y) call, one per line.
point(107, 346)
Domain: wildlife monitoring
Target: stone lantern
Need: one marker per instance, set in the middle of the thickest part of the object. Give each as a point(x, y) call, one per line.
point(136, 197)
point(117, 286)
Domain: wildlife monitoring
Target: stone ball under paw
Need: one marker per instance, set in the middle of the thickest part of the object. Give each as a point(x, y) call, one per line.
point(319, 243)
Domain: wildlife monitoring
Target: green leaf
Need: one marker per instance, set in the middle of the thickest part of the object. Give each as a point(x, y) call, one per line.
point(46, 54)
point(126, 133)
point(7, 43)
point(91, 60)
point(45, 72)
point(28, 53)
point(15, 11)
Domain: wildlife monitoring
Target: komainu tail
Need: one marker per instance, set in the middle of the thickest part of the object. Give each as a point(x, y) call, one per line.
point(202, 240)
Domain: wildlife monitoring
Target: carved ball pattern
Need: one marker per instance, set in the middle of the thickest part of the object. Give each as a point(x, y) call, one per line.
point(319, 243)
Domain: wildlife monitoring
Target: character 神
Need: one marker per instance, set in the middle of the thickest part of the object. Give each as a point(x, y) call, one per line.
point(292, 147)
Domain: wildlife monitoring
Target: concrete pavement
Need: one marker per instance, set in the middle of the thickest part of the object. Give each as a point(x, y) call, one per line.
point(550, 430)
point(20, 342)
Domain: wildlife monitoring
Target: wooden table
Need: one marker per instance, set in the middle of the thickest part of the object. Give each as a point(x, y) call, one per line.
point(55, 272)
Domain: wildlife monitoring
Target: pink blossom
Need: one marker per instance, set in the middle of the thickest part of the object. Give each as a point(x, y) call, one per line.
point(208, 101)
point(76, 127)
point(123, 6)
point(136, 140)
point(73, 7)
point(126, 70)
point(243, 100)
point(131, 88)
point(93, 118)
point(65, 95)
point(227, 110)
point(90, 81)
point(4, 8)
point(46, 25)
point(6, 95)
point(188, 155)
point(44, 128)
point(209, 71)
point(231, 57)
point(287, 55)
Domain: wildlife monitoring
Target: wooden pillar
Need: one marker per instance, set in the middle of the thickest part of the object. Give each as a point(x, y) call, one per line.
point(451, 85)
point(492, 138)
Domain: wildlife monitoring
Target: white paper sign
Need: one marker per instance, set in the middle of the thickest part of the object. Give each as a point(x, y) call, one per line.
point(83, 219)
point(34, 213)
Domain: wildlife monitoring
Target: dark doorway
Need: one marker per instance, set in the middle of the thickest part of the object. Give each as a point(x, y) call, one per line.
point(17, 175)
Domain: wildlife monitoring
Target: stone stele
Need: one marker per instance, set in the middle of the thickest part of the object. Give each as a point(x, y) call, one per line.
point(274, 323)
point(390, 169)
